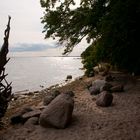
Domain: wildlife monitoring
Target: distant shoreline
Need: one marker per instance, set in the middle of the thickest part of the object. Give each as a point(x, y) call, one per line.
point(42, 56)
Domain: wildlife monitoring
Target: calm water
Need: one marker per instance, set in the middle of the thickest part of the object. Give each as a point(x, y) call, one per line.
point(28, 73)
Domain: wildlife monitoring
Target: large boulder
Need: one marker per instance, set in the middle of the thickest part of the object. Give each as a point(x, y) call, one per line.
point(58, 113)
point(99, 86)
point(104, 99)
point(98, 83)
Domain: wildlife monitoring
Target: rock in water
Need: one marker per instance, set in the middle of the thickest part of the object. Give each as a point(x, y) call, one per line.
point(104, 99)
point(58, 113)
point(69, 77)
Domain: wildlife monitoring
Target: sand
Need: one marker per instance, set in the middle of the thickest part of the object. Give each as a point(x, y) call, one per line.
point(121, 121)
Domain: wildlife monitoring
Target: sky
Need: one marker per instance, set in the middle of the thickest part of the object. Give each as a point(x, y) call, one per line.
point(26, 28)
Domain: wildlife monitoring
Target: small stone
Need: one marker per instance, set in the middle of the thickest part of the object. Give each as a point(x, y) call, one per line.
point(48, 99)
point(35, 113)
point(32, 121)
point(55, 93)
point(69, 77)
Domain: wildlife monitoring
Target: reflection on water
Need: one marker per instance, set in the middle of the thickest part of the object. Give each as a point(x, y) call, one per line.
point(31, 72)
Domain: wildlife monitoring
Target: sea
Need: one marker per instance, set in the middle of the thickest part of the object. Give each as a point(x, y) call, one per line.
point(35, 73)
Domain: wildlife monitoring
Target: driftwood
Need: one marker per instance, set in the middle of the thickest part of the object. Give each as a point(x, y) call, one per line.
point(5, 87)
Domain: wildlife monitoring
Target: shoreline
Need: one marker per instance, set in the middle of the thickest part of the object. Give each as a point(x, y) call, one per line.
point(27, 96)
point(51, 87)
point(121, 119)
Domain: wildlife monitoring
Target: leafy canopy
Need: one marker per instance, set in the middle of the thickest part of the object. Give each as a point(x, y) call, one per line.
point(112, 27)
point(69, 24)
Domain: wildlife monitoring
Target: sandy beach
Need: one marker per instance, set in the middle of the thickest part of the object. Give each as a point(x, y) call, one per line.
point(120, 121)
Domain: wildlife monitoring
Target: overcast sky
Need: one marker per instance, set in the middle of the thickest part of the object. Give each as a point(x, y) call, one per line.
point(26, 27)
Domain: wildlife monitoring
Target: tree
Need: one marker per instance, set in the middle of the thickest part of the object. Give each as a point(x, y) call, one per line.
point(111, 26)
point(5, 87)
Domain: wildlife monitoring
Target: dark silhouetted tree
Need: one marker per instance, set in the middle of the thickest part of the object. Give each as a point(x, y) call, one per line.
point(111, 26)
point(5, 87)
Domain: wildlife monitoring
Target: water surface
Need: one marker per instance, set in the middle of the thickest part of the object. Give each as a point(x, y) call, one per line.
point(28, 73)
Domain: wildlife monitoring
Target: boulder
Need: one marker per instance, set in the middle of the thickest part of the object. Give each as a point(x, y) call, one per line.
point(32, 121)
point(97, 86)
point(104, 99)
point(17, 117)
point(58, 113)
point(98, 83)
point(106, 87)
point(94, 91)
point(117, 88)
point(69, 77)
point(50, 97)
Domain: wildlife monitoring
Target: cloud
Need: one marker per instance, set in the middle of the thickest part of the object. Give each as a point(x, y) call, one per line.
point(31, 47)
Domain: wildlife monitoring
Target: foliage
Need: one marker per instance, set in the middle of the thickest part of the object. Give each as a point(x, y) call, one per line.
point(88, 59)
point(111, 26)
